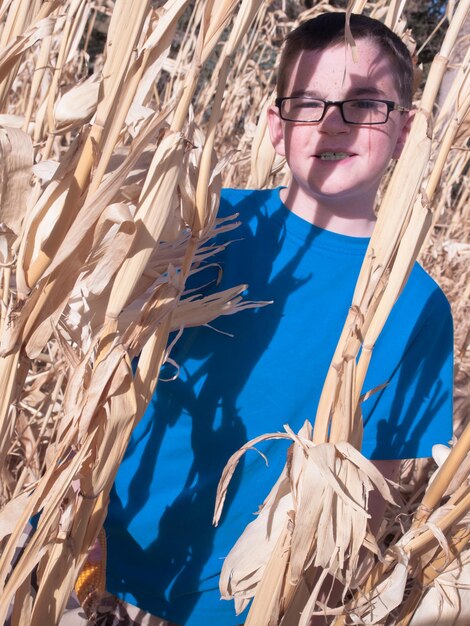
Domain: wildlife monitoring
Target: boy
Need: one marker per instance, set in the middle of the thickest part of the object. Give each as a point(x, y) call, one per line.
point(338, 123)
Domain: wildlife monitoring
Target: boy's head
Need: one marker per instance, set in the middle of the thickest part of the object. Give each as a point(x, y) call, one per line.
point(339, 121)
point(328, 30)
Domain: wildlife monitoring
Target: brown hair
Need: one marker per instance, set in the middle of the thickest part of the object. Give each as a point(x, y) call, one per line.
point(328, 30)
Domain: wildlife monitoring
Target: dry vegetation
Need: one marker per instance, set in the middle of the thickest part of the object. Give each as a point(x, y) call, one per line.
point(96, 245)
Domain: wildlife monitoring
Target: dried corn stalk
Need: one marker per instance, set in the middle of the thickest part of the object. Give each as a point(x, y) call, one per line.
point(95, 264)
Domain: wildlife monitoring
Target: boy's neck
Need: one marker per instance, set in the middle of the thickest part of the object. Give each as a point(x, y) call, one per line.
point(355, 219)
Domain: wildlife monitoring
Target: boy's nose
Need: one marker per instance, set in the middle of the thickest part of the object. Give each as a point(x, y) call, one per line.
point(333, 120)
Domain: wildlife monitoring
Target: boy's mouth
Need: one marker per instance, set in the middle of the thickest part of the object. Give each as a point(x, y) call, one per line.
point(333, 156)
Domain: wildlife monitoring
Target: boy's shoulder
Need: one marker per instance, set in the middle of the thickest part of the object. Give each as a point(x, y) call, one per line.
point(422, 309)
point(424, 286)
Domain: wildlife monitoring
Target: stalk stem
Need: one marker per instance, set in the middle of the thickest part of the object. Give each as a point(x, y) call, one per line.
point(443, 478)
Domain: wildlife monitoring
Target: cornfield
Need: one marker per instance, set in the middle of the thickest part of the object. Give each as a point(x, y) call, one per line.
point(111, 163)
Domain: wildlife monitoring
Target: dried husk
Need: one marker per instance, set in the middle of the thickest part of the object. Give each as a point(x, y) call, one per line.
point(292, 517)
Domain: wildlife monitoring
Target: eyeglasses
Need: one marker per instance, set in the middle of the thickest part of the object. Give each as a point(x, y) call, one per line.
point(304, 109)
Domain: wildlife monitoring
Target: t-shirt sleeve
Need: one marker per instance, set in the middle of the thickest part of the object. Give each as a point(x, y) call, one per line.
point(414, 411)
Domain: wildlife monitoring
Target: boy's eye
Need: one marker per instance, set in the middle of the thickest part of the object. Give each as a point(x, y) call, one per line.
point(300, 109)
point(300, 104)
point(311, 104)
point(365, 105)
point(365, 111)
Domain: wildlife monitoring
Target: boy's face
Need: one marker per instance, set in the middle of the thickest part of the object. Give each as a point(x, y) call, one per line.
point(332, 161)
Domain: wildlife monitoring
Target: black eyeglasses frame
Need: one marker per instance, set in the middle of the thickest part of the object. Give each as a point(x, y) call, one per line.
point(391, 106)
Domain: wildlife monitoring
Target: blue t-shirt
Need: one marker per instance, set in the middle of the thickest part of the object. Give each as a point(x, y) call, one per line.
point(260, 369)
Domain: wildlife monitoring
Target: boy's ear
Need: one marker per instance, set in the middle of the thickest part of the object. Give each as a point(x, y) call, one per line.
point(276, 130)
point(403, 136)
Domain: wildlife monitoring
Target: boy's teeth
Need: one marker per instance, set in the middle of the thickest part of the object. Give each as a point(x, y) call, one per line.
point(333, 156)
